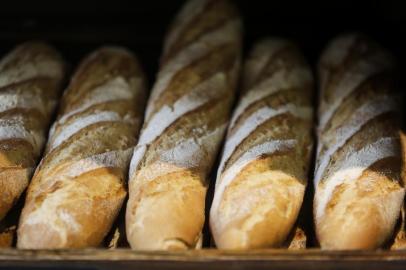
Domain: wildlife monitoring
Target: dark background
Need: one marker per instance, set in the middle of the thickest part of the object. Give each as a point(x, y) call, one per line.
point(76, 27)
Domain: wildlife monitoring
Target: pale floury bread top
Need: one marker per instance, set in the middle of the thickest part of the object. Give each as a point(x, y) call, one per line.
point(80, 184)
point(263, 170)
point(31, 77)
point(185, 120)
point(358, 190)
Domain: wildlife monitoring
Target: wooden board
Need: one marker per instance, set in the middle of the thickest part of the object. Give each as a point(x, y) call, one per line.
point(202, 259)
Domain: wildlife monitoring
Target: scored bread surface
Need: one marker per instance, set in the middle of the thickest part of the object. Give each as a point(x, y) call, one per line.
point(185, 122)
point(358, 189)
point(30, 82)
point(263, 170)
point(79, 186)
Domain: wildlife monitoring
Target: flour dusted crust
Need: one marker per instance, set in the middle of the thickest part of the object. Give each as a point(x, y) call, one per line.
point(79, 186)
point(358, 190)
point(30, 82)
point(263, 169)
point(185, 122)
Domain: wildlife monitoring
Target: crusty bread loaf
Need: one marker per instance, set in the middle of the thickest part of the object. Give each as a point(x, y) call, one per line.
point(358, 190)
point(399, 241)
point(79, 186)
point(298, 239)
point(403, 143)
point(264, 167)
point(7, 236)
point(185, 122)
point(399, 238)
point(30, 82)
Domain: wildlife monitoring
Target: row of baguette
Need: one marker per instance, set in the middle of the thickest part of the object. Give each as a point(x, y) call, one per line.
point(101, 138)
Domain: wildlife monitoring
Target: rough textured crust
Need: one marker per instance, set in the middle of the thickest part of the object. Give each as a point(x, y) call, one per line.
point(400, 236)
point(30, 82)
point(263, 171)
point(298, 240)
point(358, 190)
point(7, 237)
point(185, 123)
point(80, 184)
point(403, 143)
point(399, 241)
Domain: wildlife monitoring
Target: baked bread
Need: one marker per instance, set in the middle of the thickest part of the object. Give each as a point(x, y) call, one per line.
point(298, 239)
point(7, 237)
point(263, 171)
point(358, 189)
point(30, 82)
point(80, 184)
point(185, 122)
point(399, 241)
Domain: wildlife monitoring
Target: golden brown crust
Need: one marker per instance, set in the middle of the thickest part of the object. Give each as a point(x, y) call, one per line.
point(263, 172)
point(399, 241)
point(298, 239)
point(7, 237)
point(30, 82)
point(358, 190)
point(185, 122)
point(403, 143)
point(80, 184)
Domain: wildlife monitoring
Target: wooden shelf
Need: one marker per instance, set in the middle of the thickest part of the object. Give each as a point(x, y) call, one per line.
point(202, 259)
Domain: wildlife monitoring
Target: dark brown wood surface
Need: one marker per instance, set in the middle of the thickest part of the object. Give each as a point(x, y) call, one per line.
point(202, 259)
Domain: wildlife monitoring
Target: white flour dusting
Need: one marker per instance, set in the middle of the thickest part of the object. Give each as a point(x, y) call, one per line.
point(200, 95)
point(190, 153)
point(185, 16)
point(111, 159)
point(260, 56)
point(279, 81)
point(252, 154)
point(115, 89)
point(50, 210)
point(29, 70)
point(48, 213)
point(359, 118)
point(13, 129)
point(259, 117)
point(139, 152)
point(223, 35)
point(187, 154)
point(353, 166)
point(353, 77)
point(80, 123)
point(67, 218)
point(25, 100)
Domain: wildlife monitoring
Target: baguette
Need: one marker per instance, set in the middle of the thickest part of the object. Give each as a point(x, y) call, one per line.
point(79, 186)
point(298, 239)
point(358, 189)
point(264, 167)
point(185, 122)
point(400, 237)
point(31, 78)
point(7, 237)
